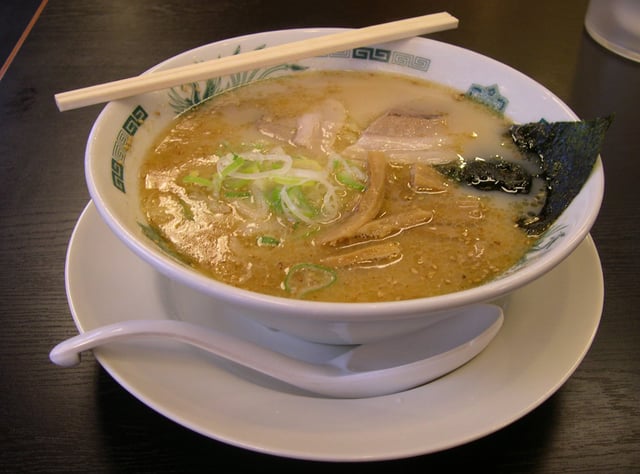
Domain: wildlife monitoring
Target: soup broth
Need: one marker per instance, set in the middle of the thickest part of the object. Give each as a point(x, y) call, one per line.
point(324, 186)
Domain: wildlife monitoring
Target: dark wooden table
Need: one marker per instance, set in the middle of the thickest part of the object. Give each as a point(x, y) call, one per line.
point(81, 420)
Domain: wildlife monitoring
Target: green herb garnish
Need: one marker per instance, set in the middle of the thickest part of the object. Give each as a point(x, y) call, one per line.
point(304, 278)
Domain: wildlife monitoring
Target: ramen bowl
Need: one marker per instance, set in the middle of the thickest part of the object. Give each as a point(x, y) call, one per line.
point(126, 129)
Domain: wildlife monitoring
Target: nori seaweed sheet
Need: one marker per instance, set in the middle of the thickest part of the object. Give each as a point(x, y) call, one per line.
point(494, 174)
point(567, 152)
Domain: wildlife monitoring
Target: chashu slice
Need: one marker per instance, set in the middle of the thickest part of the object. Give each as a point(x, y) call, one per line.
point(408, 137)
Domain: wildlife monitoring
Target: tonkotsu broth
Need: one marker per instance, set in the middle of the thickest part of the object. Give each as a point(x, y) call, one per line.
point(429, 238)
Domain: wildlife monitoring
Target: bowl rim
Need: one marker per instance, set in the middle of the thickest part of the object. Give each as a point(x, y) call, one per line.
point(344, 311)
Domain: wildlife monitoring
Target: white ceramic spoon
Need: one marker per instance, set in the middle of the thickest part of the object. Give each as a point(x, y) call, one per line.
point(372, 369)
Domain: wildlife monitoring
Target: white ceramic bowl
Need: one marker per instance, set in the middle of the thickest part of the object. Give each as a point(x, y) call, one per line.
point(125, 129)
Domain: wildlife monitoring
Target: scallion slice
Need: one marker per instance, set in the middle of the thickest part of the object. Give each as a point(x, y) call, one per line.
point(268, 241)
point(304, 278)
point(195, 179)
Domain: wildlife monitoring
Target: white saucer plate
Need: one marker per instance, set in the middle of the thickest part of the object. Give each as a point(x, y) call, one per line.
point(549, 326)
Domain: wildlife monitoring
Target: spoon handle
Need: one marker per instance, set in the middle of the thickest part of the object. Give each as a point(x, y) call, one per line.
point(67, 353)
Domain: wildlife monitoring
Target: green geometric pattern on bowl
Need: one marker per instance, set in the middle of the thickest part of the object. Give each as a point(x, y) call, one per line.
point(122, 143)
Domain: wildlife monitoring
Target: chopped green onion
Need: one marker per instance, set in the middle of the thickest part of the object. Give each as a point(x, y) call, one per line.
point(296, 205)
point(268, 241)
point(302, 162)
point(237, 194)
point(349, 182)
point(235, 164)
point(304, 278)
point(350, 176)
point(195, 179)
point(269, 165)
point(249, 168)
point(287, 180)
point(272, 196)
point(254, 165)
point(236, 184)
point(300, 189)
point(299, 198)
point(156, 236)
point(186, 210)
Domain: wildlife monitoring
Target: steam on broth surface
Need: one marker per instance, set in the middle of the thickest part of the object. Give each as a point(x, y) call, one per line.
point(325, 186)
